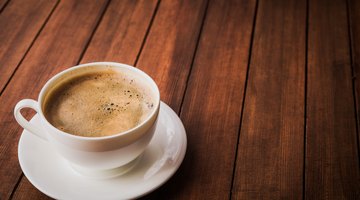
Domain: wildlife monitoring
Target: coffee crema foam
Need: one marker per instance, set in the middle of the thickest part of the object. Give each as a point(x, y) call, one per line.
point(98, 104)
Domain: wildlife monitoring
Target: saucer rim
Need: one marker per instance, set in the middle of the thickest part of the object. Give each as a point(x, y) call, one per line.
point(164, 108)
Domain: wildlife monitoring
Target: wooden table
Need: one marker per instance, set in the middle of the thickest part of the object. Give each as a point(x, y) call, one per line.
point(267, 90)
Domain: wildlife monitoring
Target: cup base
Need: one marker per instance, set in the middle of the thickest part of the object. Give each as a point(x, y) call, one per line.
point(106, 174)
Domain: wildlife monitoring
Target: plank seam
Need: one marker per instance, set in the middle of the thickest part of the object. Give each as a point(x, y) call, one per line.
point(194, 55)
point(353, 80)
point(147, 32)
point(16, 186)
point(305, 97)
point(4, 6)
point(244, 95)
point(29, 48)
point(94, 31)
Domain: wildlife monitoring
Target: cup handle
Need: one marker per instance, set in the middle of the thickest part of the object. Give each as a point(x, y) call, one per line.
point(28, 103)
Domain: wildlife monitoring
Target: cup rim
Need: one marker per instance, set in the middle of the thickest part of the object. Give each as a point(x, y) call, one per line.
point(94, 64)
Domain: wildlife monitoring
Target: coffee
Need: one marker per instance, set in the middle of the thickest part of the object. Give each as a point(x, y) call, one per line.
point(98, 104)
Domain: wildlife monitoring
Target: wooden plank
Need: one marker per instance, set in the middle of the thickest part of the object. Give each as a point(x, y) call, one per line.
point(332, 168)
point(121, 32)
point(270, 154)
point(118, 38)
point(19, 22)
point(170, 47)
point(59, 46)
point(212, 104)
point(354, 17)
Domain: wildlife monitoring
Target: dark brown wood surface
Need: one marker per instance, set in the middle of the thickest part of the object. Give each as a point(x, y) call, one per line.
point(332, 165)
point(121, 32)
point(270, 153)
point(354, 28)
point(20, 23)
point(222, 52)
point(268, 91)
point(169, 48)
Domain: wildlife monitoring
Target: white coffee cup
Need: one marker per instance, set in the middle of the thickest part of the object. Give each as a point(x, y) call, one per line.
point(94, 156)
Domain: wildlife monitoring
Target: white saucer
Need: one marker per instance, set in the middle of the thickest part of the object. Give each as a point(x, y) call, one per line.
point(53, 176)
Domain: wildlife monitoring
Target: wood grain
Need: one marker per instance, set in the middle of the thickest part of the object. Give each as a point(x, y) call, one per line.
point(269, 162)
point(354, 17)
point(170, 46)
point(212, 104)
point(58, 46)
point(201, 68)
point(19, 22)
point(332, 166)
point(121, 32)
